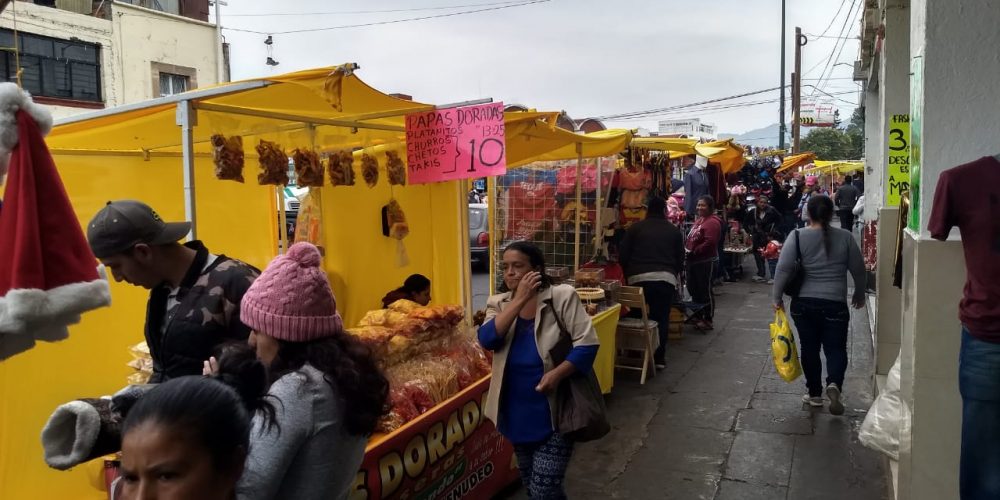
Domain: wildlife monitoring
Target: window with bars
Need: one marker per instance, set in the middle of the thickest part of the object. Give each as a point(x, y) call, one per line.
point(171, 84)
point(50, 67)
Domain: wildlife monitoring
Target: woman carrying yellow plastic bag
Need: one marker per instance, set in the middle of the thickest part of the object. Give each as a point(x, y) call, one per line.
point(786, 357)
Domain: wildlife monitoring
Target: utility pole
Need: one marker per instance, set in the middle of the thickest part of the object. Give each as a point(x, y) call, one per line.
point(781, 118)
point(800, 41)
point(220, 65)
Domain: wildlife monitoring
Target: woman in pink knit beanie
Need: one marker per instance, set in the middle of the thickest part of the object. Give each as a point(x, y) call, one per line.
point(329, 391)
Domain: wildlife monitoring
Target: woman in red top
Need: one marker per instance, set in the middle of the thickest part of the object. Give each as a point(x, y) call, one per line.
point(702, 255)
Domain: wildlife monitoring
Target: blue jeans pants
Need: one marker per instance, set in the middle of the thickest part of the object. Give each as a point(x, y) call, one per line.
point(822, 324)
point(979, 383)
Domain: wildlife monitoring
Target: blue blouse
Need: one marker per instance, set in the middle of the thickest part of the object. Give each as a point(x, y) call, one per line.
point(524, 412)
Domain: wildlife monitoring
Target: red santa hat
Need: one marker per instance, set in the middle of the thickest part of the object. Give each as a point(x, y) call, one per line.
point(48, 275)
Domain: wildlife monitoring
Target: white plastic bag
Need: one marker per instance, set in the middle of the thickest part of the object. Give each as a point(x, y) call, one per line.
point(888, 417)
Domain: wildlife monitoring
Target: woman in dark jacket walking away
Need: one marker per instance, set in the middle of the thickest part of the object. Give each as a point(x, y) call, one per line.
point(702, 256)
point(820, 310)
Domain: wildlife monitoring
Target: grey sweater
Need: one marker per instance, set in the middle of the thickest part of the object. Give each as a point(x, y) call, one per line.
point(312, 456)
point(825, 275)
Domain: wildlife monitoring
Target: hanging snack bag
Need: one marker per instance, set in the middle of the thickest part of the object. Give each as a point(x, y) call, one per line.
point(395, 168)
point(308, 168)
point(273, 164)
point(369, 169)
point(227, 154)
point(341, 168)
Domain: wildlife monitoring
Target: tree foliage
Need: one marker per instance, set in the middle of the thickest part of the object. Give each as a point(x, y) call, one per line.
point(838, 144)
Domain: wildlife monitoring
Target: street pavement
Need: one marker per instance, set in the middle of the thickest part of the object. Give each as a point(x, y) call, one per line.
point(719, 424)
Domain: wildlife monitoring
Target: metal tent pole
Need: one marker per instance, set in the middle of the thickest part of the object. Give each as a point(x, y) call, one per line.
point(598, 228)
point(576, 237)
point(187, 119)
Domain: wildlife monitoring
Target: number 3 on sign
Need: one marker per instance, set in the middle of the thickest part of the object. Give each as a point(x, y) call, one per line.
point(897, 140)
point(489, 152)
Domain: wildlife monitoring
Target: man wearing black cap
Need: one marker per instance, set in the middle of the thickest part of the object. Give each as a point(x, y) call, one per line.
point(194, 300)
point(652, 255)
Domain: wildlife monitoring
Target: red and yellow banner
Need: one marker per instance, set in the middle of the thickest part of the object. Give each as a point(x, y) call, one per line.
point(450, 452)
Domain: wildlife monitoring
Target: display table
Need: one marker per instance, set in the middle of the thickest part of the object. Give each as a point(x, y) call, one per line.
point(452, 451)
point(606, 324)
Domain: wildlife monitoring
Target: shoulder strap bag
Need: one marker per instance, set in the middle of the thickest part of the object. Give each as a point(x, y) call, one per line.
point(794, 285)
point(580, 411)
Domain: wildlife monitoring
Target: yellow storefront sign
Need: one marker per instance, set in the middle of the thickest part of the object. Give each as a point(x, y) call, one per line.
point(898, 159)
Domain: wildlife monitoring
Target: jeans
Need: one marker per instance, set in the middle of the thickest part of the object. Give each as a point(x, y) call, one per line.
point(543, 466)
point(822, 324)
point(979, 384)
point(699, 285)
point(660, 298)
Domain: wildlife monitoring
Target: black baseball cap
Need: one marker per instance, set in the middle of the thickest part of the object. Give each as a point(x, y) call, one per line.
point(123, 224)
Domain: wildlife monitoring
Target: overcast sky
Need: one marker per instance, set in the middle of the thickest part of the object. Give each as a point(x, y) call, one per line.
point(587, 57)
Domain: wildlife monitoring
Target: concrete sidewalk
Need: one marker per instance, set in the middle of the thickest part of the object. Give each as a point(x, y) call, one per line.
point(720, 424)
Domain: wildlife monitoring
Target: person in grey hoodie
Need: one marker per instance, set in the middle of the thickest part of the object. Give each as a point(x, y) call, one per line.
point(819, 309)
point(328, 391)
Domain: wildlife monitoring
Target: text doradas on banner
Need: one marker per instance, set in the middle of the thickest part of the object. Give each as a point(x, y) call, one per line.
point(456, 143)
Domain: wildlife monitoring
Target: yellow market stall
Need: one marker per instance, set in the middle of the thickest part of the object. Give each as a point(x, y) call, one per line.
point(161, 152)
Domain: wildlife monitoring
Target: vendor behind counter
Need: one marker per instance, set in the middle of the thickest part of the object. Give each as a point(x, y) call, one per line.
point(416, 288)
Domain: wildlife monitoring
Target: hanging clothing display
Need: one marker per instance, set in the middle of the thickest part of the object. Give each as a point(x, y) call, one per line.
point(695, 186)
point(529, 206)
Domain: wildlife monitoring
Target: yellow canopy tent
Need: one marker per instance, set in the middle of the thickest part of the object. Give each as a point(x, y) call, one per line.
point(726, 153)
point(795, 161)
point(677, 145)
point(159, 151)
point(840, 167)
point(537, 141)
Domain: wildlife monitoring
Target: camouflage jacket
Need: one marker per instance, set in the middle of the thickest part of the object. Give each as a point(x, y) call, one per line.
point(207, 314)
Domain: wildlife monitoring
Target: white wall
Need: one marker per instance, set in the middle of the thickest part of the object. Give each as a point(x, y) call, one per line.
point(956, 42)
point(148, 36)
point(62, 24)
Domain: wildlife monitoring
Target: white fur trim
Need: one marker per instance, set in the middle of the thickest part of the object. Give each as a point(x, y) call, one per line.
point(70, 434)
point(12, 98)
point(42, 313)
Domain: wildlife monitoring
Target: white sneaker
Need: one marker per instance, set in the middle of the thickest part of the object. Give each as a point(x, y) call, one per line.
point(770, 282)
point(836, 405)
point(816, 402)
point(758, 279)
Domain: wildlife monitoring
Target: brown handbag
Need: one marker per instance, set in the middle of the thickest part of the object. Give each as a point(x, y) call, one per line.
point(580, 411)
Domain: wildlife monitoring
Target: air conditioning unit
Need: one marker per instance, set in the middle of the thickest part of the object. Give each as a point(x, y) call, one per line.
point(78, 6)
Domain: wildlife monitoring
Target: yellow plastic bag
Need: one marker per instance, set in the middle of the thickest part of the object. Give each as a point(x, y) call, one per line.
point(786, 356)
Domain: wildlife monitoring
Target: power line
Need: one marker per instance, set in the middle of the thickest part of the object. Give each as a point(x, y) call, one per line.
point(842, 3)
point(841, 51)
point(831, 37)
point(702, 110)
point(843, 27)
point(827, 59)
point(385, 11)
point(682, 106)
point(379, 23)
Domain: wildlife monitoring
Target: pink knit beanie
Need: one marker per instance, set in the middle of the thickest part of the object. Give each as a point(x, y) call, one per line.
point(292, 299)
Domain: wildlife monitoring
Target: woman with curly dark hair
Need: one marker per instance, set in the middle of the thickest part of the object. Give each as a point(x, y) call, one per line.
point(328, 392)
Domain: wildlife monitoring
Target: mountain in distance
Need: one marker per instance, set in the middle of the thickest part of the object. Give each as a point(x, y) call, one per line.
point(762, 137)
